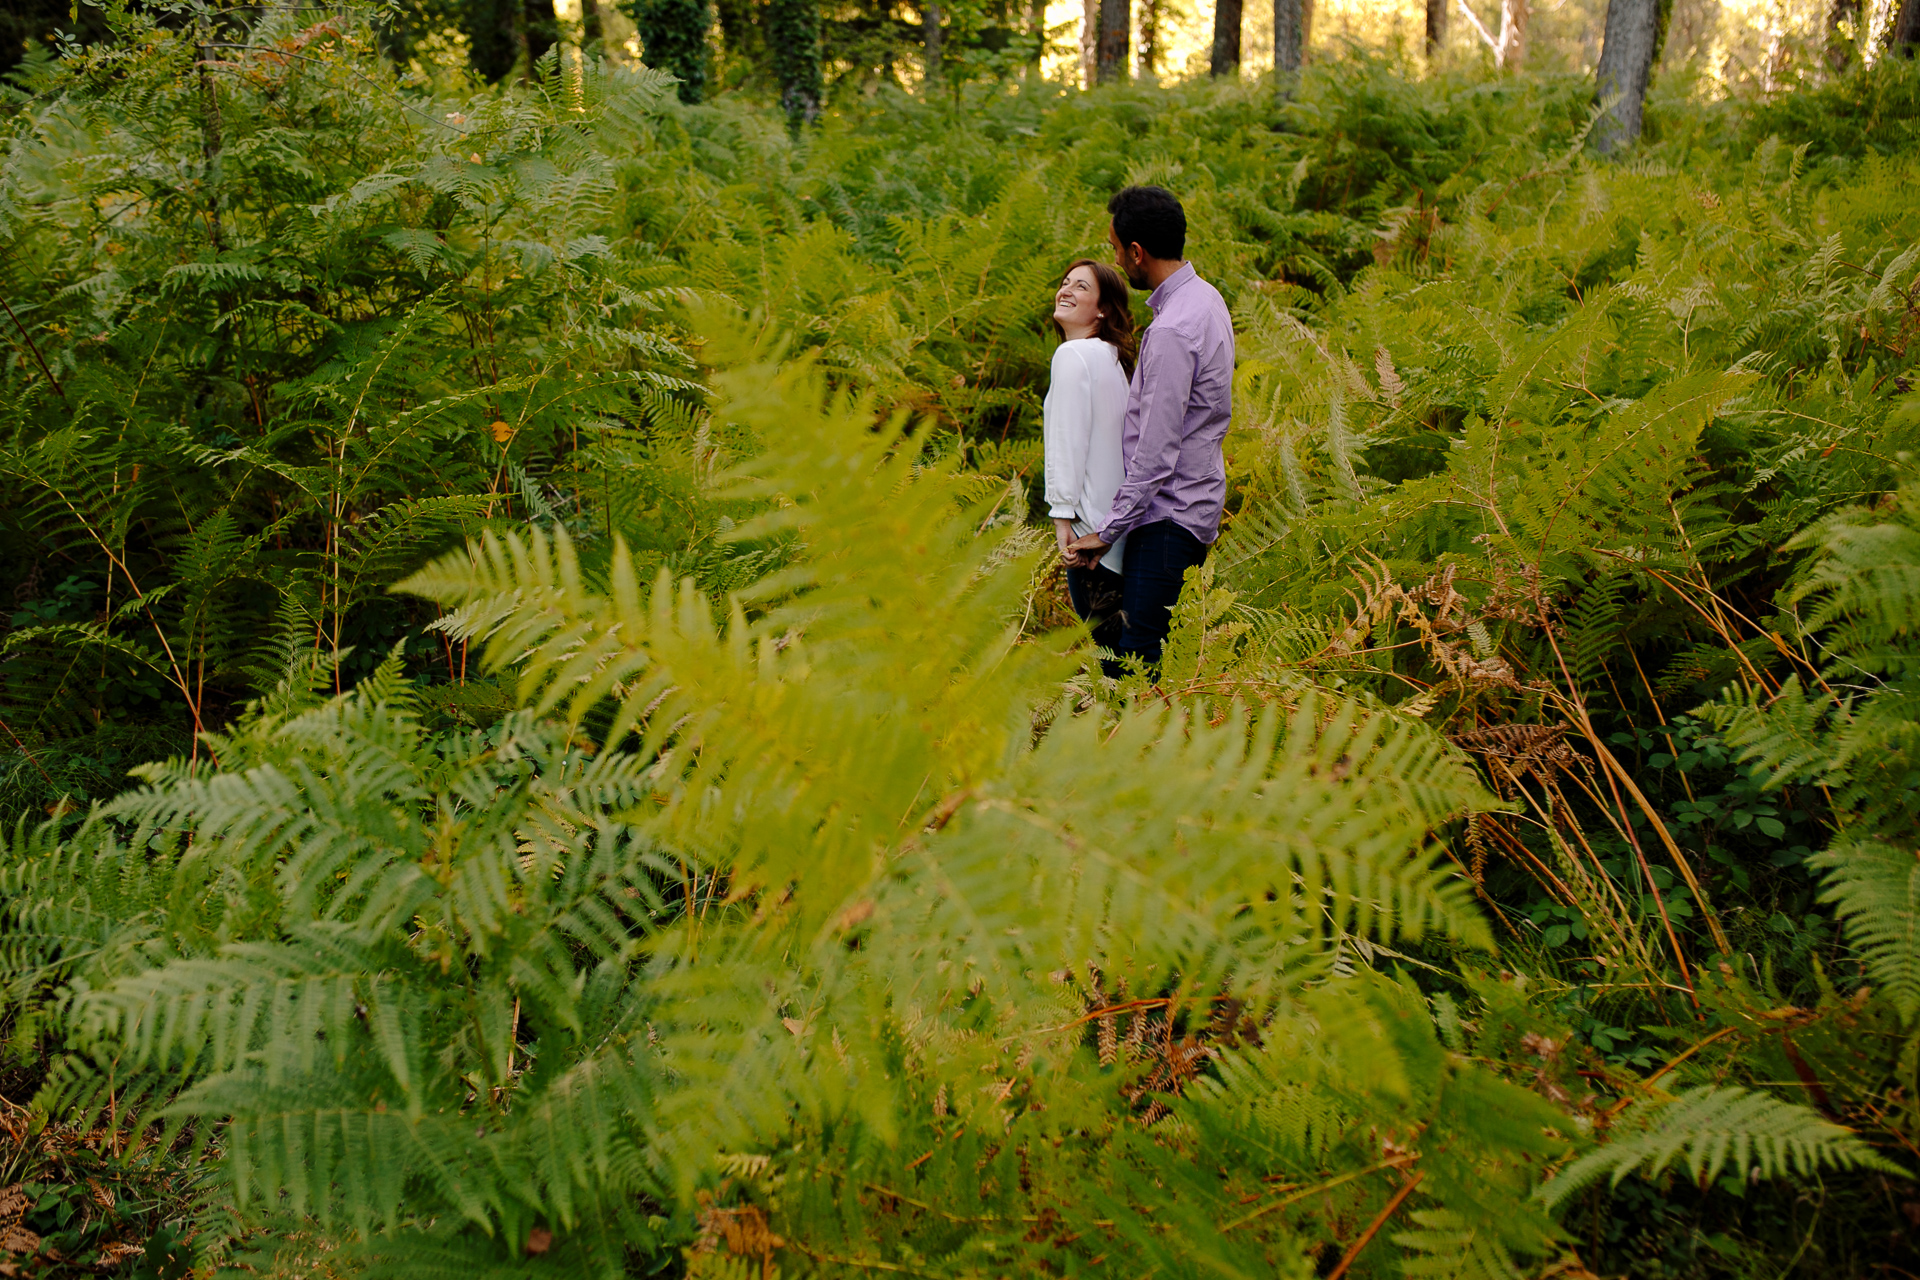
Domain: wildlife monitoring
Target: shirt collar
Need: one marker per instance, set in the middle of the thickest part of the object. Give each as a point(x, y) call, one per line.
point(1170, 286)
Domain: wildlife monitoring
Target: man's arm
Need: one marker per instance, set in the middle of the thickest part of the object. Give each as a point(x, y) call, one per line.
point(1166, 382)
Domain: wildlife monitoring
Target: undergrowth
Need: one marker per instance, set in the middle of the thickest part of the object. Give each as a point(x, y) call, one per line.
point(632, 801)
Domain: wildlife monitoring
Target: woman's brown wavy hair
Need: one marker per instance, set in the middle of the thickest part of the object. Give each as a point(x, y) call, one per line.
point(1115, 325)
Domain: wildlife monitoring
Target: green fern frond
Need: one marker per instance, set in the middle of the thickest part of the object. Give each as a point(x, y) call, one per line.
point(1444, 1246)
point(1722, 1128)
point(1875, 889)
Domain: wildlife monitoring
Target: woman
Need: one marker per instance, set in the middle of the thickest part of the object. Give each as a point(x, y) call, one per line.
point(1085, 406)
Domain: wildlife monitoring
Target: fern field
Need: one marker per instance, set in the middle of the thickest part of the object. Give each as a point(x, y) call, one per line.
point(541, 732)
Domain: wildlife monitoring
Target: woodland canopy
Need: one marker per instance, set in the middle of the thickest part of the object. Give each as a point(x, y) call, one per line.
point(540, 732)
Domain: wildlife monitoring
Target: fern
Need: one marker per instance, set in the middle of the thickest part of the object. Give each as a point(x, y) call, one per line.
point(1875, 889)
point(715, 861)
point(1446, 1247)
point(1722, 1129)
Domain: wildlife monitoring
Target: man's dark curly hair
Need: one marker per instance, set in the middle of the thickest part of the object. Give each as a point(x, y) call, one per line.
point(1152, 218)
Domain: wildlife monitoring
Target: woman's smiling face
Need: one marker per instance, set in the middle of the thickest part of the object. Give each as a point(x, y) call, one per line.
point(1076, 303)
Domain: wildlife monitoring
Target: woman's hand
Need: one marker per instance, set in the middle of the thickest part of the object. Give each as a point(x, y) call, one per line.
point(1062, 535)
point(1084, 553)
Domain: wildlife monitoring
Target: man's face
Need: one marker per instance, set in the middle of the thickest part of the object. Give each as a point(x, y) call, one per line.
point(1131, 259)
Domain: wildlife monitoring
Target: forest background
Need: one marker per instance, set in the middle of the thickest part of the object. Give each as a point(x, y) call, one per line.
point(632, 799)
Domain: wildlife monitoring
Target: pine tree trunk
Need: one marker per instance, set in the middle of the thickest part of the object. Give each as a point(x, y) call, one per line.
point(1626, 63)
point(1037, 28)
point(1226, 38)
point(1904, 39)
point(1116, 31)
point(1289, 40)
point(930, 36)
point(589, 23)
point(1514, 17)
point(793, 34)
point(1436, 27)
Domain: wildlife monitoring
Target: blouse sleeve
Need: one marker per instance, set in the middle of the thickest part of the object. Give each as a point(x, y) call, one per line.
point(1067, 428)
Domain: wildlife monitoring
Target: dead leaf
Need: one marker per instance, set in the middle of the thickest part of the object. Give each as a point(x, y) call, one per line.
point(744, 1230)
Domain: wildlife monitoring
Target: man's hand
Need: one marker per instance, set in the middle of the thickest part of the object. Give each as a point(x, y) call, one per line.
point(1084, 553)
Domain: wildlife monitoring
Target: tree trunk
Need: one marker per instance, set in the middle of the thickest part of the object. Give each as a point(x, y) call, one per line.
point(589, 24)
point(539, 31)
point(1110, 54)
point(1226, 38)
point(1626, 62)
point(1839, 46)
point(740, 30)
point(1904, 39)
point(930, 37)
point(1514, 17)
point(1436, 27)
point(793, 36)
point(1290, 19)
point(1037, 28)
point(493, 40)
point(1089, 42)
point(673, 38)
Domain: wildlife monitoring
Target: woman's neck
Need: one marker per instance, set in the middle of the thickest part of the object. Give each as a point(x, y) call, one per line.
point(1076, 333)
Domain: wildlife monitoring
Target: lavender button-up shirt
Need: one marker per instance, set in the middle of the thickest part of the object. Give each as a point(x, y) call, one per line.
point(1177, 413)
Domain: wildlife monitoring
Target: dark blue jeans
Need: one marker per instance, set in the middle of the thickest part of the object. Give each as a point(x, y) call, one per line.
point(1157, 559)
point(1095, 594)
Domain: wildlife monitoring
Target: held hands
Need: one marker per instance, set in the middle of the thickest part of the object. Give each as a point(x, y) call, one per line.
point(1084, 553)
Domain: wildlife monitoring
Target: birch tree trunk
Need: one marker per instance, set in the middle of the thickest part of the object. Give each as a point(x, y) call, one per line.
point(1626, 62)
point(1116, 31)
point(1511, 56)
point(1226, 38)
point(1089, 42)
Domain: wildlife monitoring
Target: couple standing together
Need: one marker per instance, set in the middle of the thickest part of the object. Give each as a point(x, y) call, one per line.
point(1135, 476)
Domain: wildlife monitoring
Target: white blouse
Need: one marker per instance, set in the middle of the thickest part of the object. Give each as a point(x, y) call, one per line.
point(1085, 408)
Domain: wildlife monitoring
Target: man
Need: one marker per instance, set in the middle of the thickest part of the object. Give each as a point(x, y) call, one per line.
point(1177, 413)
